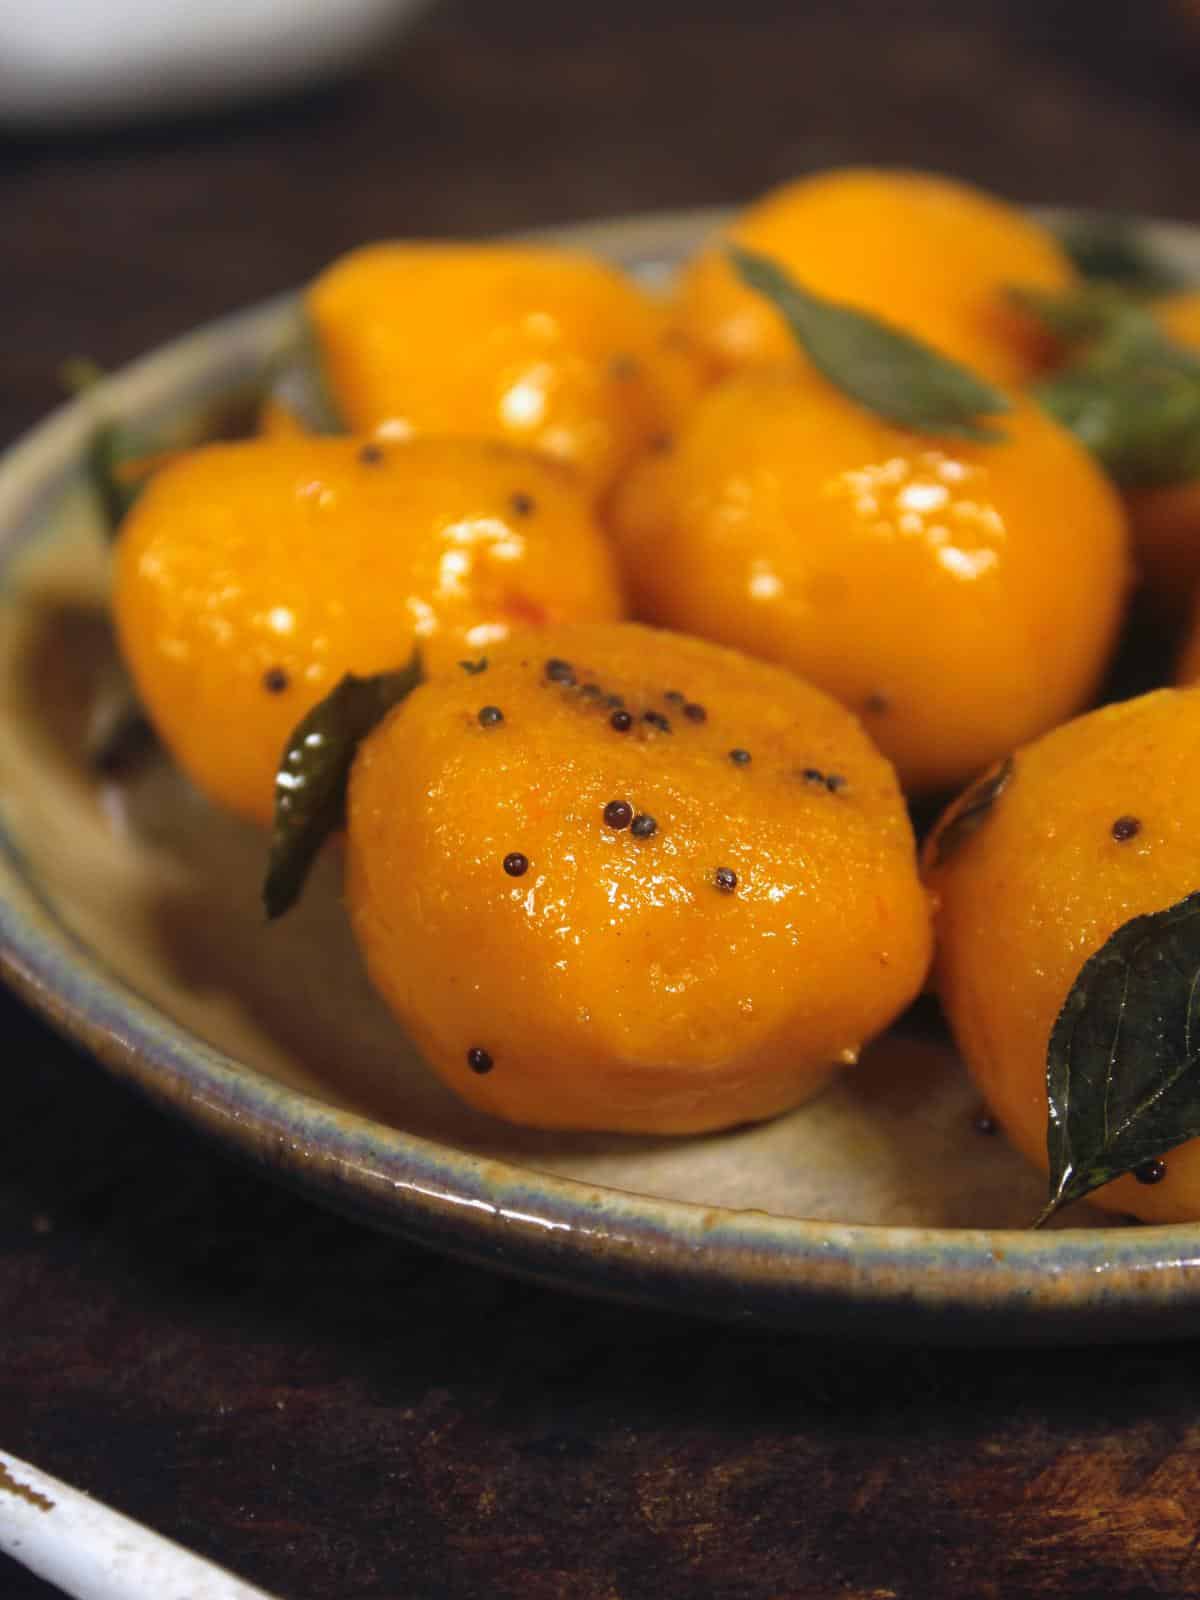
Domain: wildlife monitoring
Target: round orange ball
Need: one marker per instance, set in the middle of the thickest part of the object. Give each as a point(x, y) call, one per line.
point(961, 597)
point(1098, 824)
point(543, 347)
point(928, 254)
point(250, 577)
point(669, 890)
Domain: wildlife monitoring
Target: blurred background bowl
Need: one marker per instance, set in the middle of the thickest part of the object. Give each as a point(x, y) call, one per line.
point(75, 63)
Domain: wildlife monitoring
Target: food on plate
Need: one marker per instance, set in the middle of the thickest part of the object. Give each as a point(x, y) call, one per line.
point(1128, 386)
point(1034, 872)
point(250, 576)
point(927, 254)
point(882, 441)
point(624, 880)
point(544, 347)
point(1165, 518)
point(960, 595)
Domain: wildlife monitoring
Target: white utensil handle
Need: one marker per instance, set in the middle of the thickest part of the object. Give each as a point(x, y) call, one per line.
point(94, 1553)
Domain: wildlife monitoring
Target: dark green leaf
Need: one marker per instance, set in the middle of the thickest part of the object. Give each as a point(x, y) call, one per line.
point(973, 811)
point(1114, 250)
point(1134, 401)
point(109, 446)
point(1130, 394)
point(314, 770)
point(1123, 1066)
point(1078, 316)
point(889, 372)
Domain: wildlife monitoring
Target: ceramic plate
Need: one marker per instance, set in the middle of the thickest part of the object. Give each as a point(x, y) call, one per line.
point(130, 916)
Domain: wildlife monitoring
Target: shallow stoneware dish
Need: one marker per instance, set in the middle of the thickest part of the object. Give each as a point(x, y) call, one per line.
point(129, 915)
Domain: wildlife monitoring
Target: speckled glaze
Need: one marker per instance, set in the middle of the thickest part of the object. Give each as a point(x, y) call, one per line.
point(129, 918)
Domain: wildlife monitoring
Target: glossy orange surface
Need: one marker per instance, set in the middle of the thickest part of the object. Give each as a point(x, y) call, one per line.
point(616, 983)
point(544, 347)
point(960, 597)
point(929, 254)
point(1044, 882)
point(251, 576)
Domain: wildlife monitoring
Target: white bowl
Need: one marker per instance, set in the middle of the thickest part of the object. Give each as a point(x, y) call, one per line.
point(67, 63)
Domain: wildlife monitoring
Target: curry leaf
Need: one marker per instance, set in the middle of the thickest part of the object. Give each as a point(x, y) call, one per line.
point(298, 383)
point(1123, 1066)
point(1114, 250)
point(884, 369)
point(109, 446)
point(1129, 394)
point(973, 811)
point(314, 771)
point(1136, 407)
point(1079, 315)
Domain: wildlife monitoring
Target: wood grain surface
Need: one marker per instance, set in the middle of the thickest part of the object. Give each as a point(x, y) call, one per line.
point(334, 1414)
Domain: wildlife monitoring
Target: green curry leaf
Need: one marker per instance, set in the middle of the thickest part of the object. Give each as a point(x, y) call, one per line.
point(1135, 403)
point(1090, 311)
point(298, 382)
point(889, 372)
point(973, 811)
point(314, 771)
point(1112, 249)
point(1127, 392)
point(1123, 1065)
point(109, 446)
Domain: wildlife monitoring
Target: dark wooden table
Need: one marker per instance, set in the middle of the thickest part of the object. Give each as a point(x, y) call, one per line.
point(334, 1414)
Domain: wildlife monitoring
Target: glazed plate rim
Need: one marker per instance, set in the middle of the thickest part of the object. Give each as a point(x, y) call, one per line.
point(873, 1280)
